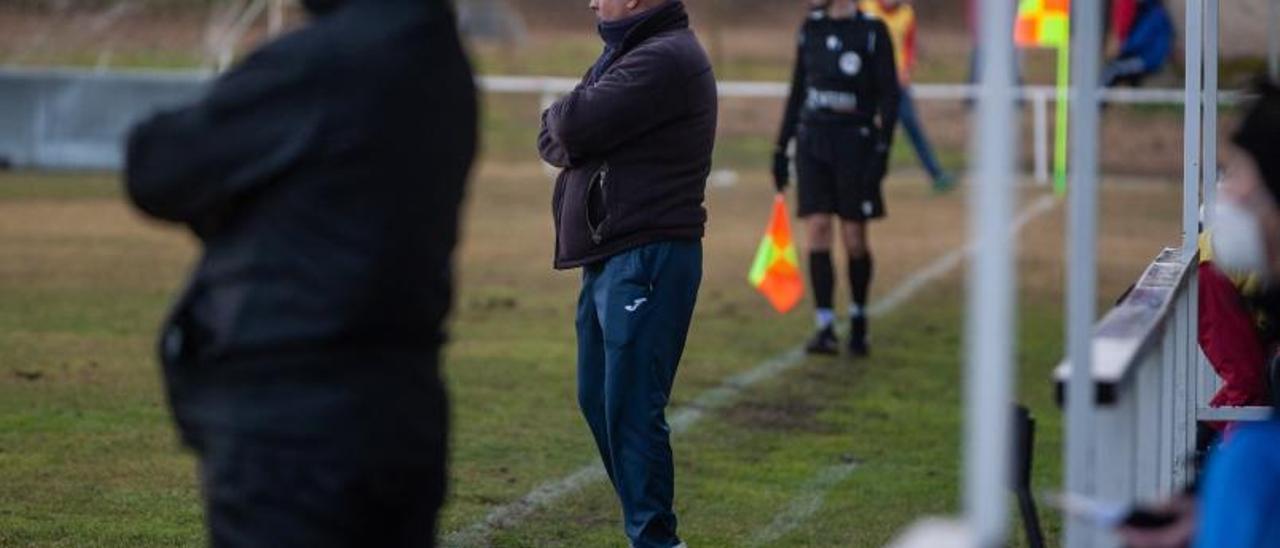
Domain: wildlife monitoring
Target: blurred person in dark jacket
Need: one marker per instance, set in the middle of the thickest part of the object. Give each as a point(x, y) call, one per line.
point(841, 112)
point(634, 143)
point(323, 177)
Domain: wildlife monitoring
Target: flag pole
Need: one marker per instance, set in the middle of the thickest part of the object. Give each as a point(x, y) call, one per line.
point(1063, 115)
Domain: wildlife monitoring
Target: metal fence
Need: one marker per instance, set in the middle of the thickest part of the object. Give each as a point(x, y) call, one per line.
point(1153, 385)
point(77, 119)
point(67, 119)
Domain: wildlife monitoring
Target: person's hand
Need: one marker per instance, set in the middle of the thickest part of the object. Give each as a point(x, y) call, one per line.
point(1176, 535)
point(781, 170)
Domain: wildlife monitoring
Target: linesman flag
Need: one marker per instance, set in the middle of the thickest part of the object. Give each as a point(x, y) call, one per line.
point(1043, 23)
point(776, 271)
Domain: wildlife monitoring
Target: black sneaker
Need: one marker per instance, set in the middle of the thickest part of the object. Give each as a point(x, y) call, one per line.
point(858, 346)
point(823, 342)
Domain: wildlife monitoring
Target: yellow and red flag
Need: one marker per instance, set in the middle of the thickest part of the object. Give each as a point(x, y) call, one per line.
point(1043, 23)
point(776, 271)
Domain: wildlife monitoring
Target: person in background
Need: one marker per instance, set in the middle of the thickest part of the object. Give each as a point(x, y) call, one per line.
point(900, 17)
point(1120, 23)
point(323, 177)
point(1239, 495)
point(842, 110)
point(1146, 48)
point(634, 142)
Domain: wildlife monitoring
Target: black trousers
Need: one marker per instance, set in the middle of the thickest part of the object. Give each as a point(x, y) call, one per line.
point(264, 493)
point(321, 450)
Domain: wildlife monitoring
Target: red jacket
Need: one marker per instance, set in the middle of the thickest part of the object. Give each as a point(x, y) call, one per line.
point(1123, 12)
point(1229, 338)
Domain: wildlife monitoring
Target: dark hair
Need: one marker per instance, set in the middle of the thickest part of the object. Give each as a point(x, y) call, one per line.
point(1259, 133)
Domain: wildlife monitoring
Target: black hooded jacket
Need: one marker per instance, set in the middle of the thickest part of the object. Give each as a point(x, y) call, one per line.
point(323, 176)
point(635, 144)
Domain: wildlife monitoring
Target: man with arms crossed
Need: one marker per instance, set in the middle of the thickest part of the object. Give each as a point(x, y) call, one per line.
point(634, 143)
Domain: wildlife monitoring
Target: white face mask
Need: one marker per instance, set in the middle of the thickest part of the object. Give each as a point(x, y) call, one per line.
point(1238, 246)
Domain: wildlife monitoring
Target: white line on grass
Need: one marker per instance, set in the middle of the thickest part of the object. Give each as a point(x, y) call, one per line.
point(813, 495)
point(804, 506)
point(688, 415)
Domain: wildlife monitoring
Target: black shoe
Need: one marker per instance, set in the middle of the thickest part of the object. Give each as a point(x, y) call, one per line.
point(858, 346)
point(823, 342)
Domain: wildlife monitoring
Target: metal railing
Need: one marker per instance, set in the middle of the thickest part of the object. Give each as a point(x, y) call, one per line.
point(45, 110)
point(1039, 98)
point(1153, 386)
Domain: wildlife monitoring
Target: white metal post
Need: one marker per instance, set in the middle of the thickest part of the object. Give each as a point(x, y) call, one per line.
point(1209, 140)
point(1082, 256)
point(990, 326)
point(1040, 112)
point(1192, 125)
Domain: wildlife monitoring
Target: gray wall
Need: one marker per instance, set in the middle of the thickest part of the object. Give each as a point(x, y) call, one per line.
point(70, 119)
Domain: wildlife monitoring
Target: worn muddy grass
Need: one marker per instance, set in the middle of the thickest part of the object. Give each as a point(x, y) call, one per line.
point(88, 456)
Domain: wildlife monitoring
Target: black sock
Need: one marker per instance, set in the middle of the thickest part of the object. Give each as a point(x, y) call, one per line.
point(860, 273)
point(823, 278)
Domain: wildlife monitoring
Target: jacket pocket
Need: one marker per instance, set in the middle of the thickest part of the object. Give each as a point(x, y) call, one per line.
point(596, 204)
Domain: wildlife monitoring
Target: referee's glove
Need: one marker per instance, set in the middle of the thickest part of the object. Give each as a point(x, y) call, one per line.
point(781, 169)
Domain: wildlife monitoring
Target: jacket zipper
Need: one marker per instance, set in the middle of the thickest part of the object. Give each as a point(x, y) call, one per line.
point(596, 235)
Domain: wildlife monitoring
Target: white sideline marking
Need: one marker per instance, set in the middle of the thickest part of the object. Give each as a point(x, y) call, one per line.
point(688, 415)
point(951, 261)
point(813, 495)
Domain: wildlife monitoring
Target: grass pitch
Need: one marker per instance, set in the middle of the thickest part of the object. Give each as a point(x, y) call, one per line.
point(88, 456)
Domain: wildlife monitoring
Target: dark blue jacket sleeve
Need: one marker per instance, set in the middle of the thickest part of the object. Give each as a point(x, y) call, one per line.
point(1151, 39)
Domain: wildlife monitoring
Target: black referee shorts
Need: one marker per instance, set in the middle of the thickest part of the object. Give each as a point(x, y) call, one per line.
point(839, 172)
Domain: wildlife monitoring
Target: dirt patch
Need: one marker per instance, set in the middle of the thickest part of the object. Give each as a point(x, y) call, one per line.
point(30, 376)
point(777, 416)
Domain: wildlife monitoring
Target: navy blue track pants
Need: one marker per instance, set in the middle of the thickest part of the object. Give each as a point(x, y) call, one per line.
point(633, 319)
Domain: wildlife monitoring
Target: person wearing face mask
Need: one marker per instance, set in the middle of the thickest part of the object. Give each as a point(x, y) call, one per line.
point(841, 111)
point(1239, 494)
point(633, 142)
point(323, 177)
point(1236, 332)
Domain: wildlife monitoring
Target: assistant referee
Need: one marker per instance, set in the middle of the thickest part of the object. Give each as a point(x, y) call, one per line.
point(842, 109)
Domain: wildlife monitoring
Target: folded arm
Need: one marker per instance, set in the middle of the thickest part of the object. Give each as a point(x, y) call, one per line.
point(187, 165)
point(551, 151)
point(632, 98)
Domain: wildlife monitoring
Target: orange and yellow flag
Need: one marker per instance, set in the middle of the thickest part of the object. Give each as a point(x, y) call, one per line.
point(1043, 23)
point(776, 271)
